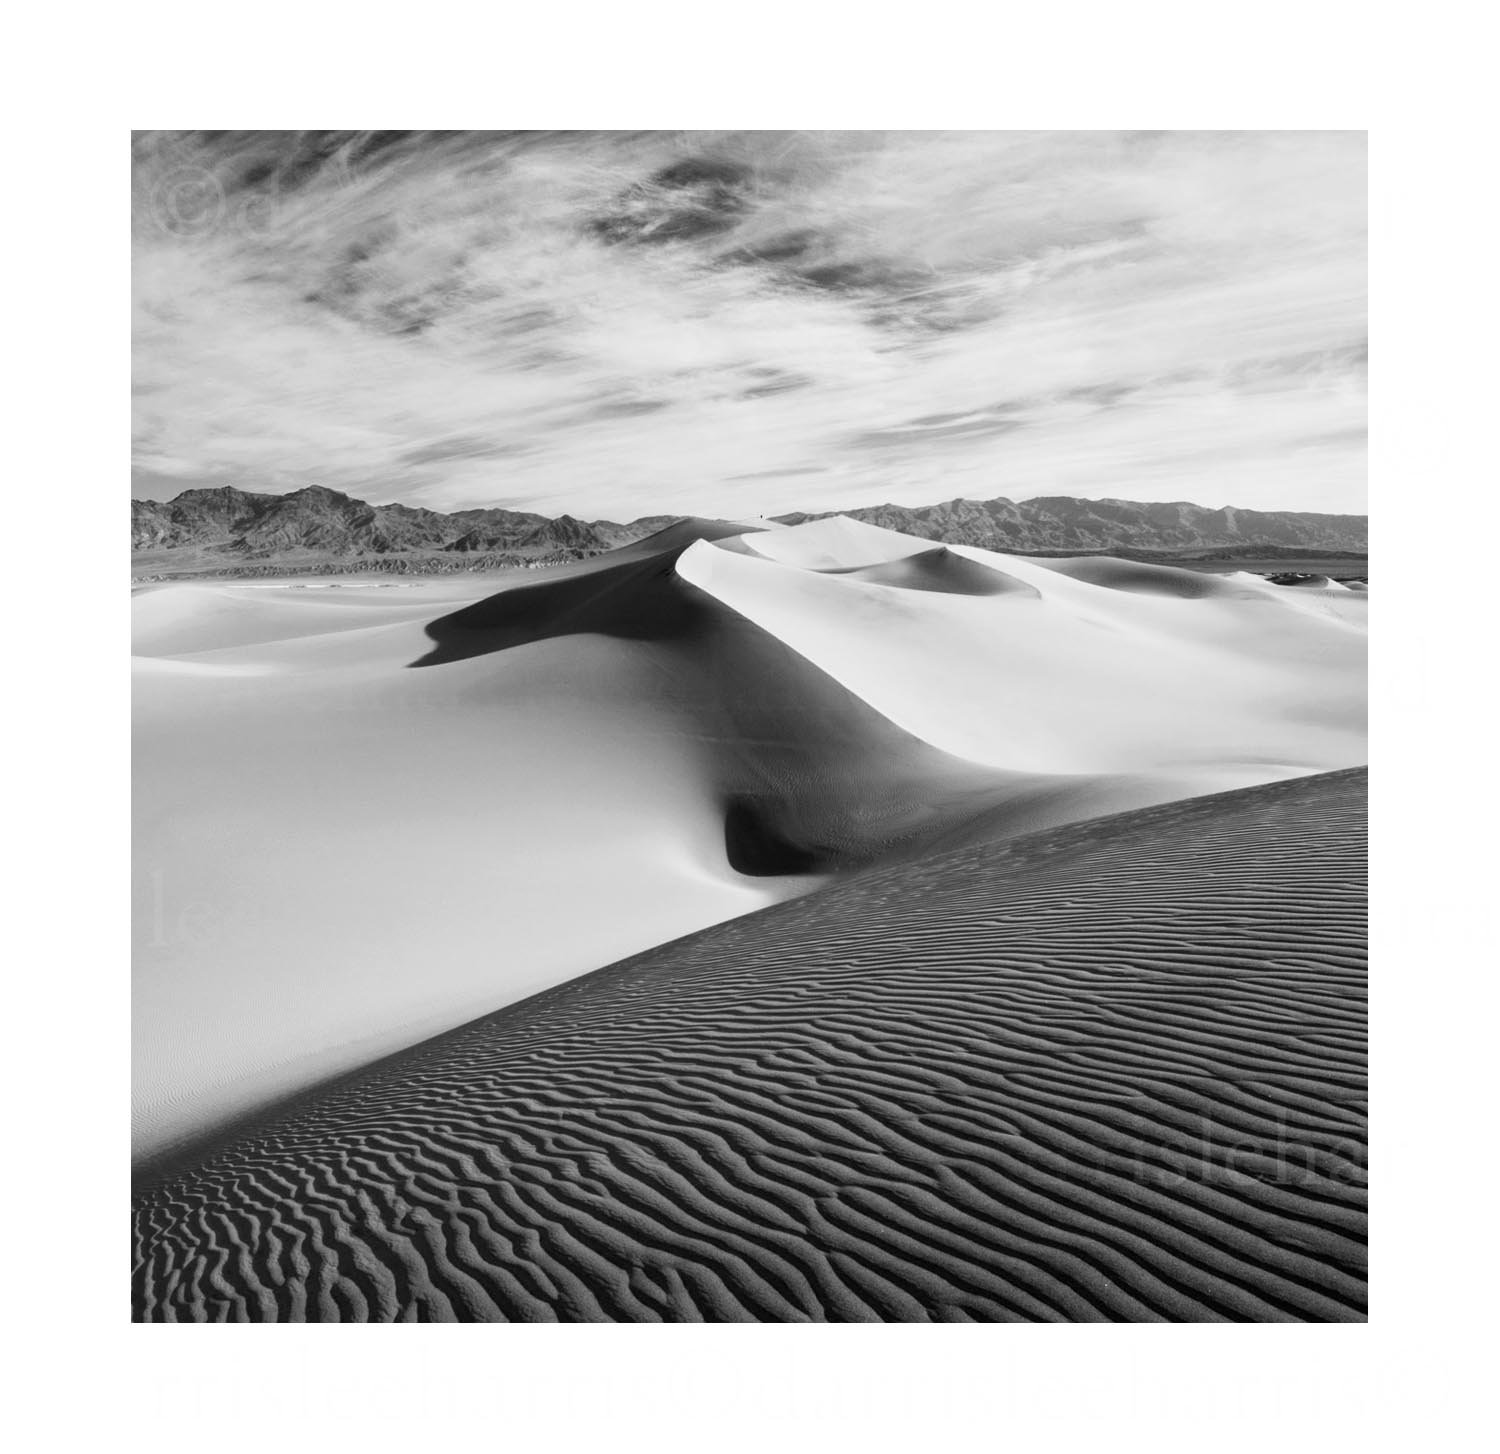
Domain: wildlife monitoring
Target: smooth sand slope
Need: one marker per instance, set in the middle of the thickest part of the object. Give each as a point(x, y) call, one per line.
point(368, 814)
point(1112, 1071)
point(1062, 666)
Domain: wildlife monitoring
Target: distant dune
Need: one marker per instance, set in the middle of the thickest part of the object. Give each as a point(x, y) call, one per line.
point(1106, 1072)
point(368, 814)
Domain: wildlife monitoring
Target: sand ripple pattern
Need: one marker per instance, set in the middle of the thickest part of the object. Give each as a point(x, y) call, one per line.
point(1112, 1072)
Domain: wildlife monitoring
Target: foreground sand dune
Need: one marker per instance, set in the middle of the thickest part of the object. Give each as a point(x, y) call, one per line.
point(1105, 1072)
point(368, 814)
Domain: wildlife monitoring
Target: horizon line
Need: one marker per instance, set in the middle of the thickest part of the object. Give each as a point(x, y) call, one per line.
point(651, 515)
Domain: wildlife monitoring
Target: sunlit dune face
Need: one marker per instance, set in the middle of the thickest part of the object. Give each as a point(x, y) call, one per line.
point(619, 324)
point(394, 809)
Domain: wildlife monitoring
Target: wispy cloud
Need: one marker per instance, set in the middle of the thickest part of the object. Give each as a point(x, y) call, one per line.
point(622, 324)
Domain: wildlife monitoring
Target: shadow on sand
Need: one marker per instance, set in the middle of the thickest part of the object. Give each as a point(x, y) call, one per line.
point(811, 778)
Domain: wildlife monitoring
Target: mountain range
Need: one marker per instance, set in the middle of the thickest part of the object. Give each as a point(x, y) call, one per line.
point(228, 527)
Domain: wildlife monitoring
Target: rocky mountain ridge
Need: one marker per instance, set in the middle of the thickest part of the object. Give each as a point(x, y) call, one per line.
point(241, 527)
point(1061, 522)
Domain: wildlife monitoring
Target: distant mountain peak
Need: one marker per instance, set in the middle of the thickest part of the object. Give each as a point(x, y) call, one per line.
point(317, 520)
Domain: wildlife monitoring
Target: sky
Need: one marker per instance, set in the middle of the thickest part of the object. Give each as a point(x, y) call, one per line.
point(618, 324)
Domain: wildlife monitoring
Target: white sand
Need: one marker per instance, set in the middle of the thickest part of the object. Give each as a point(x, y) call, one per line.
point(337, 855)
point(1242, 684)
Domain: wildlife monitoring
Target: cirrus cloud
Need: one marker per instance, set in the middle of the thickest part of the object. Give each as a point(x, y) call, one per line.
point(619, 324)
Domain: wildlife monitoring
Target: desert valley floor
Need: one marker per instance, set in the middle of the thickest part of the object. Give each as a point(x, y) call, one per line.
point(809, 923)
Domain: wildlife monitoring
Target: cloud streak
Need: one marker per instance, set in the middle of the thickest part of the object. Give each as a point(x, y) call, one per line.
point(617, 324)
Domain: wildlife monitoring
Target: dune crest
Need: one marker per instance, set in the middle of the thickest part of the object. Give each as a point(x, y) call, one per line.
point(836, 543)
point(1112, 1072)
point(369, 815)
point(1069, 667)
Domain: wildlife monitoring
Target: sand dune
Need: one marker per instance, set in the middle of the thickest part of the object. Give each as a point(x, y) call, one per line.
point(837, 544)
point(1071, 666)
point(1108, 1072)
point(367, 815)
point(941, 570)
